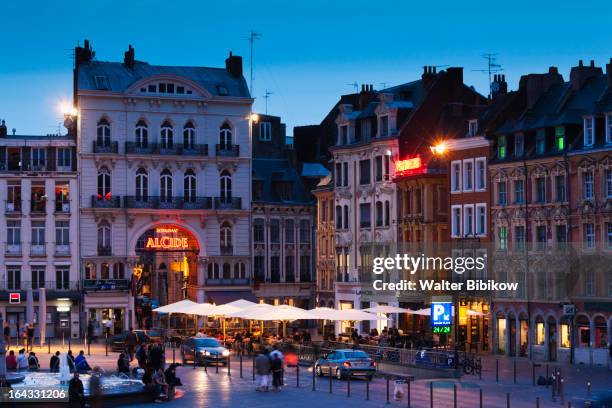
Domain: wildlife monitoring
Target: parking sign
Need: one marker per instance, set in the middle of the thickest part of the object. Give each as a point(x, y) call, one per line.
point(441, 313)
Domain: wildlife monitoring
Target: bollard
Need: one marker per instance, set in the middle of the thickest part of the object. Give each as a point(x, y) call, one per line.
point(106, 345)
point(194, 361)
point(562, 391)
point(546, 375)
point(313, 377)
point(537, 402)
point(240, 365)
point(69, 342)
point(388, 390)
point(480, 397)
point(367, 390)
point(229, 374)
point(253, 368)
point(514, 371)
point(589, 388)
point(330, 380)
point(554, 388)
point(480, 370)
point(297, 375)
point(48, 346)
point(173, 354)
point(507, 400)
point(89, 348)
point(532, 373)
point(455, 395)
point(431, 394)
point(348, 385)
point(496, 370)
point(217, 366)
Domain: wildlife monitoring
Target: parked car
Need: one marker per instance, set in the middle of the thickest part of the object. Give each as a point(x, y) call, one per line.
point(598, 399)
point(117, 342)
point(204, 350)
point(343, 362)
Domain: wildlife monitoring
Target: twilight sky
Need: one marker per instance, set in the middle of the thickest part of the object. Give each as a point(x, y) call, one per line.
point(309, 51)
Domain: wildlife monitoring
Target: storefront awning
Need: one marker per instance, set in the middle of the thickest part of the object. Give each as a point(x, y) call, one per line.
point(222, 297)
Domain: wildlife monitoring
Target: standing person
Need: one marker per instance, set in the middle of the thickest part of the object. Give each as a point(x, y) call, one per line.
point(76, 392)
point(262, 370)
point(30, 333)
point(70, 359)
point(130, 343)
point(95, 387)
point(107, 326)
point(141, 356)
point(22, 360)
point(7, 334)
point(24, 335)
point(276, 366)
point(54, 363)
point(33, 364)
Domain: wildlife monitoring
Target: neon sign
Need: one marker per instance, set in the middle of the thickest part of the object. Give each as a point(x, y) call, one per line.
point(166, 243)
point(408, 165)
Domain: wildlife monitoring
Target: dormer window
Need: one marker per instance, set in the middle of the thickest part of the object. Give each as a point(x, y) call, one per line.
point(589, 131)
point(101, 82)
point(519, 145)
point(384, 126)
point(560, 138)
point(152, 88)
point(472, 127)
point(343, 135)
point(222, 90)
point(541, 141)
point(502, 149)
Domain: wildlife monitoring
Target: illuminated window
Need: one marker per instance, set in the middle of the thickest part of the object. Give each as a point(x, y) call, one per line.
point(560, 138)
point(502, 238)
point(501, 147)
point(540, 333)
point(564, 335)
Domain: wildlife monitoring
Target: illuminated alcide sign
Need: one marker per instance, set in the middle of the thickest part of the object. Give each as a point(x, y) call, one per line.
point(165, 240)
point(408, 166)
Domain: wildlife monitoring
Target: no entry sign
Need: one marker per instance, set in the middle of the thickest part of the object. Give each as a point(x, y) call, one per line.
point(14, 298)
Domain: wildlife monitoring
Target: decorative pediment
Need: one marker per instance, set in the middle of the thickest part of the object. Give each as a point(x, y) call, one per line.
point(538, 171)
point(587, 208)
point(587, 163)
point(517, 173)
point(500, 175)
point(171, 85)
point(558, 169)
point(605, 163)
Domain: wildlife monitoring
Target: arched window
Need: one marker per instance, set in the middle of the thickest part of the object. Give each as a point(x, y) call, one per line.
point(142, 185)
point(213, 271)
point(165, 186)
point(189, 136)
point(225, 233)
point(338, 217)
point(225, 137)
point(227, 271)
point(104, 184)
point(167, 135)
point(90, 270)
point(142, 134)
point(189, 186)
point(103, 135)
point(226, 187)
point(104, 238)
point(239, 270)
point(104, 270)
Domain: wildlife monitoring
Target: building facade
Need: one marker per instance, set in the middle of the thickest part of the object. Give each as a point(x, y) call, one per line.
point(165, 178)
point(39, 190)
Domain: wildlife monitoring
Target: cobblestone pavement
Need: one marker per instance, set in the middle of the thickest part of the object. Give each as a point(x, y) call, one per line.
point(209, 388)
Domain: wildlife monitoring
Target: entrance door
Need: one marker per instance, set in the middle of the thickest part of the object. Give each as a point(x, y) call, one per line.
point(14, 318)
point(552, 340)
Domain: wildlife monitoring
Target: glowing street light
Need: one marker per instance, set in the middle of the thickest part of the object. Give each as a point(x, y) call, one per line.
point(68, 109)
point(438, 149)
point(254, 117)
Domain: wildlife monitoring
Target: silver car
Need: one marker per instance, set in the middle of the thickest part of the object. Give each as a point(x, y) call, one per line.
point(345, 362)
point(204, 350)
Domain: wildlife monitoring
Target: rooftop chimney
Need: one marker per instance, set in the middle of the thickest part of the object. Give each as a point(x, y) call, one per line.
point(535, 85)
point(367, 91)
point(456, 75)
point(429, 72)
point(128, 57)
point(233, 65)
point(83, 54)
point(580, 74)
point(2, 129)
point(499, 86)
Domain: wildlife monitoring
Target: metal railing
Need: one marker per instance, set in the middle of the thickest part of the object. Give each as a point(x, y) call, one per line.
point(227, 151)
point(62, 249)
point(54, 285)
point(12, 207)
point(101, 202)
point(62, 206)
point(227, 282)
point(227, 250)
point(12, 249)
point(177, 203)
point(38, 207)
point(105, 250)
point(234, 203)
point(38, 249)
point(105, 284)
point(173, 149)
point(112, 147)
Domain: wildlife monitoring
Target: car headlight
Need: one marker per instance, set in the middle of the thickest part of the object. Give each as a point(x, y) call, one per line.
point(225, 353)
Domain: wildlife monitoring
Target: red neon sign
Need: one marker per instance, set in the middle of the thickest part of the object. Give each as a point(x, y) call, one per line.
point(14, 298)
point(166, 243)
point(408, 165)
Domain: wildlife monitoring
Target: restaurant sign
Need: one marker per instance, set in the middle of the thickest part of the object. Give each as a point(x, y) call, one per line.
point(166, 238)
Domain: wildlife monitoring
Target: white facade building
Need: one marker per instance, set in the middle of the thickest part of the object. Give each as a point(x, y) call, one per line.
point(165, 176)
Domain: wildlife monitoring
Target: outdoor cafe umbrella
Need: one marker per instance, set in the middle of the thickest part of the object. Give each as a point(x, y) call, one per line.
point(42, 315)
point(427, 312)
point(282, 313)
point(386, 309)
point(182, 306)
point(231, 307)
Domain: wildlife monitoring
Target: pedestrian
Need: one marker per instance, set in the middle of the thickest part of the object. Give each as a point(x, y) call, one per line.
point(131, 342)
point(156, 357)
point(70, 359)
point(90, 331)
point(11, 361)
point(123, 364)
point(24, 335)
point(107, 326)
point(76, 392)
point(54, 363)
point(80, 363)
point(30, 334)
point(95, 387)
point(160, 380)
point(33, 364)
point(7, 334)
point(276, 366)
point(262, 370)
point(141, 355)
point(22, 360)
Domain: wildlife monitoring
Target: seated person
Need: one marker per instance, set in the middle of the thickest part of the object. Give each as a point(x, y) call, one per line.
point(11, 361)
point(171, 378)
point(123, 364)
point(54, 364)
point(160, 380)
point(33, 364)
point(80, 363)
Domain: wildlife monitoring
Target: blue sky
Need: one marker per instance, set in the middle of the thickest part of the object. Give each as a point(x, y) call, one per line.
point(309, 51)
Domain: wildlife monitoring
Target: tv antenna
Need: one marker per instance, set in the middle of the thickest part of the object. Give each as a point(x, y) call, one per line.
point(251, 39)
point(267, 95)
point(354, 85)
point(492, 68)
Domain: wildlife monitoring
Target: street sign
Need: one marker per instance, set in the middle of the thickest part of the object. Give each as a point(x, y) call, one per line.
point(441, 313)
point(14, 298)
point(569, 310)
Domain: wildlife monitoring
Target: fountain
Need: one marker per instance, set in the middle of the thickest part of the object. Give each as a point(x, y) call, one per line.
point(64, 370)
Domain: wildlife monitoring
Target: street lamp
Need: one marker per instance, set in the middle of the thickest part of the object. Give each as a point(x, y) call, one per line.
point(438, 149)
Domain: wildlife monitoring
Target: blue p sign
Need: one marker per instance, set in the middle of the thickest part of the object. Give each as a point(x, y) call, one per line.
point(441, 313)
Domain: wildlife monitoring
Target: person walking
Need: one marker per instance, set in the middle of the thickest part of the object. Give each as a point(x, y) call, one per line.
point(54, 363)
point(108, 326)
point(262, 371)
point(33, 364)
point(276, 366)
point(30, 333)
point(22, 361)
point(130, 343)
point(95, 387)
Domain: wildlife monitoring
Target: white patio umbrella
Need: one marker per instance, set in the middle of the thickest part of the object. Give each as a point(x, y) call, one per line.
point(243, 313)
point(202, 309)
point(181, 306)
point(231, 307)
point(386, 309)
point(282, 313)
point(42, 315)
point(357, 315)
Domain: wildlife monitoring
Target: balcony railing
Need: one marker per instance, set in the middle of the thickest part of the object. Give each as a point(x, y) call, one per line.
point(110, 202)
point(62, 249)
point(222, 203)
point(112, 147)
point(227, 250)
point(105, 284)
point(38, 249)
point(38, 207)
point(104, 250)
point(12, 249)
point(62, 206)
point(47, 284)
point(176, 203)
point(12, 207)
point(227, 151)
point(227, 282)
point(174, 149)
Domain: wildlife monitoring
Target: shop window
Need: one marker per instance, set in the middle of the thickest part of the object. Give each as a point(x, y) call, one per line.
point(540, 333)
point(564, 335)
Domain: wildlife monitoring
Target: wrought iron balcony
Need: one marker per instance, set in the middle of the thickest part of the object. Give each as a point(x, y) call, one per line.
point(12, 207)
point(62, 249)
point(12, 249)
point(38, 249)
point(176, 203)
point(105, 202)
point(105, 284)
point(38, 206)
point(222, 203)
point(227, 250)
point(105, 250)
point(62, 206)
point(51, 285)
point(227, 150)
point(165, 149)
point(228, 282)
point(112, 147)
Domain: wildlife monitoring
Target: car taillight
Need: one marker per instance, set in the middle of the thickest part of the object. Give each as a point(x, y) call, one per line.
point(346, 364)
point(372, 363)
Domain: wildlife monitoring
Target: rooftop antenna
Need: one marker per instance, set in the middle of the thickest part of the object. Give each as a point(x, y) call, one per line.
point(267, 95)
point(354, 85)
point(251, 39)
point(383, 85)
point(492, 68)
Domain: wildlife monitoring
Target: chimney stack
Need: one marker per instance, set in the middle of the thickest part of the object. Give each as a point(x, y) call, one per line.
point(366, 94)
point(580, 74)
point(535, 85)
point(2, 129)
point(428, 74)
point(233, 65)
point(500, 86)
point(128, 57)
point(83, 54)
